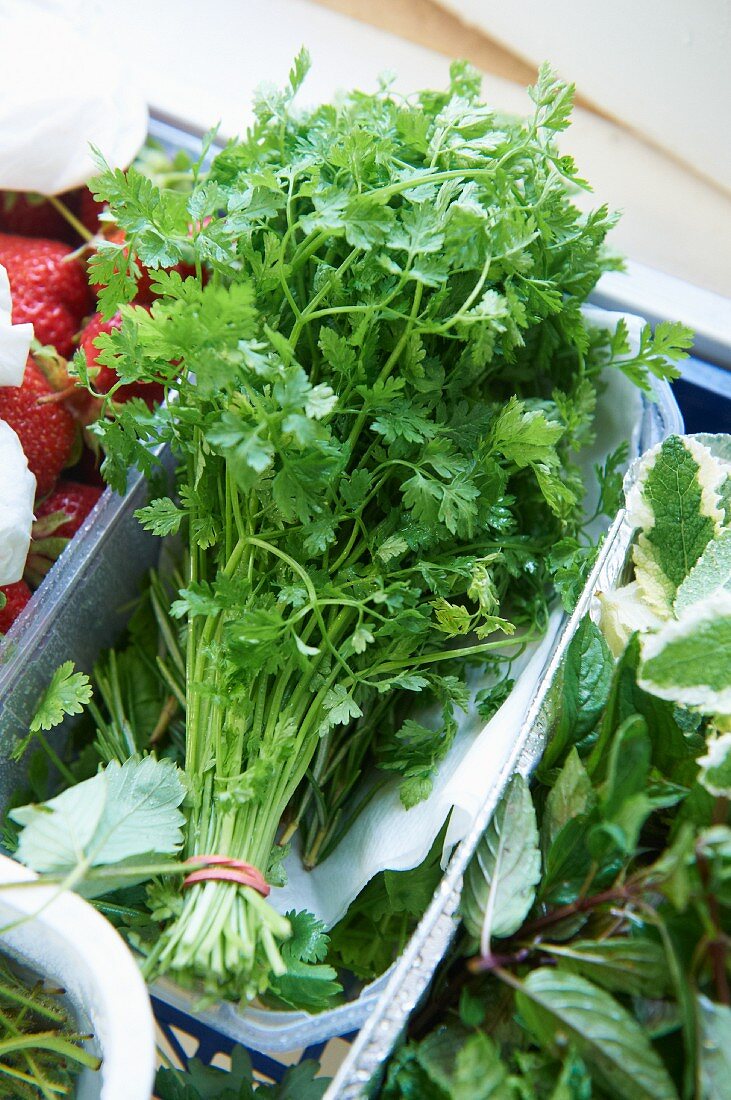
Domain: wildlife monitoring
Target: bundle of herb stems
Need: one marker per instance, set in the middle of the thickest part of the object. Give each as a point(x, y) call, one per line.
point(378, 376)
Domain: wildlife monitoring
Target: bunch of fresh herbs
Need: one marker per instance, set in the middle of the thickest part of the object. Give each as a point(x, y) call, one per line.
point(597, 910)
point(378, 381)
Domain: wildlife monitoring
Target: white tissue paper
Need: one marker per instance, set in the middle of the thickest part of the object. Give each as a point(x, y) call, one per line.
point(14, 339)
point(17, 493)
point(64, 87)
point(385, 835)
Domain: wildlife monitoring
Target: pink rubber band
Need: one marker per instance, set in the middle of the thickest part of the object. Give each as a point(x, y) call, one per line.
point(217, 868)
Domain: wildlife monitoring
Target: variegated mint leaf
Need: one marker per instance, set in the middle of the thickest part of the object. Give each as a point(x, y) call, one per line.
point(689, 661)
point(676, 505)
point(710, 575)
point(715, 773)
point(623, 612)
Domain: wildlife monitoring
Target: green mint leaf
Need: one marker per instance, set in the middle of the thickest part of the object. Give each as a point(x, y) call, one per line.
point(570, 796)
point(586, 681)
point(553, 1002)
point(500, 882)
point(715, 1048)
point(480, 1072)
point(625, 964)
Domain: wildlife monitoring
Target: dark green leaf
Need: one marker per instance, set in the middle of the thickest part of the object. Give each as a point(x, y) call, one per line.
point(558, 1008)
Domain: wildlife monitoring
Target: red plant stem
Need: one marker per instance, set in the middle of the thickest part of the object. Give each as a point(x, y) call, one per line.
point(496, 962)
point(581, 905)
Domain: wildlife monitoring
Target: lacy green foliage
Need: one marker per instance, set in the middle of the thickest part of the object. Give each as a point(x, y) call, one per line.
point(41, 1050)
point(202, 1082)
point(67, 694)
point(382, 375)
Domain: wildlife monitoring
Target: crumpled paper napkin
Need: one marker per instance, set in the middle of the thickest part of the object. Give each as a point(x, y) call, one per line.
point(17, 483)
point(17, 492)
point(14, 339)
point(64, 87)
point(385, 835)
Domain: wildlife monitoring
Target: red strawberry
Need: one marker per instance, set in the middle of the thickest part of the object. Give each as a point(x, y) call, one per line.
point(58, 519)
point(47, 289)
point(90, 210)
point(151, 392)
point(86, 470)
point(74, 500)
point(16, 597)
point(70, 390)
point(46, 429)
point(30, 215)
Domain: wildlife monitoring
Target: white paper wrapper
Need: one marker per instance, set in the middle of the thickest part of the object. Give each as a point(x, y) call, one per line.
point(385, 835)
point(14, 339)
point(17, 493)
point(64, 87)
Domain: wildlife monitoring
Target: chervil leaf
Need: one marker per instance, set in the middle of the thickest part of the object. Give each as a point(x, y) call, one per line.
point(367, 322)
point(67, 694)
point(306, 983)
point(161, 516)
point(340, 707)
point(525, 436)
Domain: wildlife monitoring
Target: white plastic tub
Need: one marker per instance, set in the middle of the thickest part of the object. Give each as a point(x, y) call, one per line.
point(62, 938)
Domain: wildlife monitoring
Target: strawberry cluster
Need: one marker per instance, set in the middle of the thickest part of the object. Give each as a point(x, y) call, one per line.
point(49, 412)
